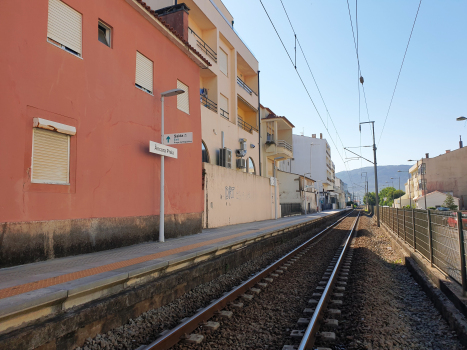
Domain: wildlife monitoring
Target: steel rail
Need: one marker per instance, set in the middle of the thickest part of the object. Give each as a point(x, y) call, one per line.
point(173, 336)
point(313, 327)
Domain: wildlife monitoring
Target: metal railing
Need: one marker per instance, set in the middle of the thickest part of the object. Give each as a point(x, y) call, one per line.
point(245, 87)
point(206, 102)
point(245, 126)
point(285, 144)
point(439, 236)
point(204, 47)
point(224, 114)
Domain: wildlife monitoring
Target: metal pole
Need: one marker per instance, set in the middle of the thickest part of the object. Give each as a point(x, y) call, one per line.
point(462, 251)
point(430, 237)
point(397, 222)
point(161, 213)
point(414, 236)
point(259, 130)
point(405, 232)
point(304, 191)
point(275, 192)
point(376, 175)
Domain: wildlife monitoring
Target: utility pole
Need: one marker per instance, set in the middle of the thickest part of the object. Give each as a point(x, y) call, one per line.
point(376, 171)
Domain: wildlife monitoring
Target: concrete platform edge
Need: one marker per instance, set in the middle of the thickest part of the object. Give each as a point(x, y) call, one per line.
point(18, 309)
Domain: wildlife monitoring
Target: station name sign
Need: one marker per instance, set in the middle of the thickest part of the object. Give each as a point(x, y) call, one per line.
point(162, 150)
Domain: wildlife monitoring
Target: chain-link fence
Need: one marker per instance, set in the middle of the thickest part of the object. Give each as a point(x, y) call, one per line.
point(439, 236)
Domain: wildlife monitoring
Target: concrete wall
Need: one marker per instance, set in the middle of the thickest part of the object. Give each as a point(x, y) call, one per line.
point(291, 190)
point(233, 197)
point(447, 173)
point(433, 199)
point(113, 195)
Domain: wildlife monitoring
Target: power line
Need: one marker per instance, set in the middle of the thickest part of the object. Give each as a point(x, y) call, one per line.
point(400, 70)
point(306, 89)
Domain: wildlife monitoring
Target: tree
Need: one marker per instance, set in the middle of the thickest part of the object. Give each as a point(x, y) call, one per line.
point(449, 202)
point(388, 194)
point(370, 198)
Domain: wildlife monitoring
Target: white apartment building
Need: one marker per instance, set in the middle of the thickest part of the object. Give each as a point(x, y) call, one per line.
point(228, 88)
point(312, 157)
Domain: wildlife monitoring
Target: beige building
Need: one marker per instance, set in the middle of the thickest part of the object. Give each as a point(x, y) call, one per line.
point(276, 140)
point(445, 173)
point(297, 194)
point(228, 89)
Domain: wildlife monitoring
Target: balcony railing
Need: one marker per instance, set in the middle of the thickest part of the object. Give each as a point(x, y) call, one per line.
point(245, 126)
point(203, 46)
point(245, 87)
point(285, 144)
point(224, 114)
point(206, 102)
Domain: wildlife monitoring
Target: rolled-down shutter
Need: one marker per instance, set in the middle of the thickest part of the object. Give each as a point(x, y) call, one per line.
point(50, 157)
point(144, 72)
point(65, 25)
point(223, 61)
point(183, 100)
point(224, 103)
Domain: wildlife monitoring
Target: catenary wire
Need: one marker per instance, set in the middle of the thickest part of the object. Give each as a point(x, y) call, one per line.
point(400, 70)
point(306, 89)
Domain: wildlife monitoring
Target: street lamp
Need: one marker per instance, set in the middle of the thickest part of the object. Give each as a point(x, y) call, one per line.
point(393, 178)
point(423, 177)
point(173, 92)
point(304, 186)
point(392, 182)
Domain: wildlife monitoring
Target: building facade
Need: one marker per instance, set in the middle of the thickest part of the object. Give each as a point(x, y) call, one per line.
point(312, 156)
point(297, 193)
point(80, 99)
point(444, 173)
point(228, 89)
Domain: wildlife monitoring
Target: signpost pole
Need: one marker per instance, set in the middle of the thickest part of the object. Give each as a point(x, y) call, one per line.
point(162, 196)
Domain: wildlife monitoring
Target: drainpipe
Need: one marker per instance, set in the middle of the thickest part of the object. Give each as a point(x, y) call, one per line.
point(259, 130)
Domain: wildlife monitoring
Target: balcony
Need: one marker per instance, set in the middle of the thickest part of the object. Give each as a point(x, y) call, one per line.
point(203, 46)
point(279, 148)
point(245, 126)
point(211, 105)
point(245, 86)
point(224, 114)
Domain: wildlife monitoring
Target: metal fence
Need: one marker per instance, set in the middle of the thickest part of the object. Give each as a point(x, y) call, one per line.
point(436, 235)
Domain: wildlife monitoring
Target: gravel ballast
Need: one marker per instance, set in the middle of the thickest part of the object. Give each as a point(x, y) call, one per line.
point(147, 327)
point(384, 308)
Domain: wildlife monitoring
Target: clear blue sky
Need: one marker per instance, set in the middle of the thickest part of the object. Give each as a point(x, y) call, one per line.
point(432, 89)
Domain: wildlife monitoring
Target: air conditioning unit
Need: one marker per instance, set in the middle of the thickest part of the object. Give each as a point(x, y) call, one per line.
point(225, 158)
point(241, 163)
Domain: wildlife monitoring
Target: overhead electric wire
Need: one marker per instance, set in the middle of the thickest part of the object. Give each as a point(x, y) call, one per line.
point(306, 89)
point(400, 70)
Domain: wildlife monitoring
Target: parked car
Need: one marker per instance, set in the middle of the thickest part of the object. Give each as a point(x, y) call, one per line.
point(452, 220)
point(443, 209)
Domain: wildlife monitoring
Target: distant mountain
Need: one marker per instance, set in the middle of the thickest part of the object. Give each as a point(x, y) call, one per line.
point(385, 172)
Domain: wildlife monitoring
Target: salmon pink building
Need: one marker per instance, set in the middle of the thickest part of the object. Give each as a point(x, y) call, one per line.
point(80, 100)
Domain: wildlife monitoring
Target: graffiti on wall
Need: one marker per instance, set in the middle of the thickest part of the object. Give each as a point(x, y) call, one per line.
point(229, 192)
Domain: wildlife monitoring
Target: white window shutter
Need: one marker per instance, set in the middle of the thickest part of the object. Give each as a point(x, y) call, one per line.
point(223, 61)
point(183, 100)
point(65, 25)
point(144, 72)
point(50, 157)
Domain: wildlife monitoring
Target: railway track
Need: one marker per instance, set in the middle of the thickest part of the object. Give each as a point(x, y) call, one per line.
point(181, 336)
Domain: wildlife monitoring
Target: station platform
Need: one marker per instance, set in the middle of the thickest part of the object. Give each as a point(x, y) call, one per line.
point(74, 280)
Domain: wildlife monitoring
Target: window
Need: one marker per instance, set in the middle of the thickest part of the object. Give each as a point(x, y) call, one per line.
point(224, 106)
point(64, 27)
point(422, 169)
point(204, 152)
point(270, 132)
point(223, 62)
point(251, 166)
point(183, 101)
point(103, 33)
point(51, 152)
point(144, 73)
